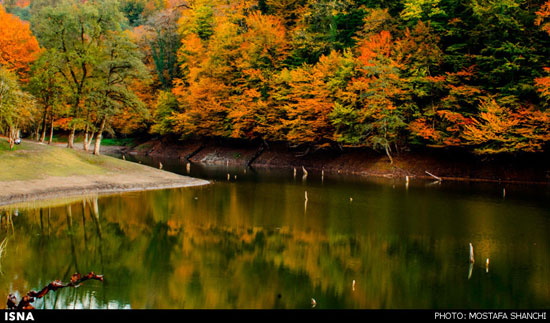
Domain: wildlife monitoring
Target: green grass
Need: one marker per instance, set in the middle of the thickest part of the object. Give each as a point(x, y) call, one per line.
point(4, 145)
point(118, 142)
point(104, 141)
point(65, 138)
point(35, 161)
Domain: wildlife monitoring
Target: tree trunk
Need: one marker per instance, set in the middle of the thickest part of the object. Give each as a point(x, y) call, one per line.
point(43, 135)
point(11, 138)
point(85, 143)
point(91, 139)
point(387, 147)
point(51, 131)
point(99, 136)
point(70, 144)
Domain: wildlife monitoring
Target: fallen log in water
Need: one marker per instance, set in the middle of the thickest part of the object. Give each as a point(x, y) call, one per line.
point(432, 175)
point(25, 303)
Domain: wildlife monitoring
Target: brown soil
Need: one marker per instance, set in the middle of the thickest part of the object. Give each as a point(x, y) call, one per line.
point(444, 164)
point(115, 177)
point(54, 187)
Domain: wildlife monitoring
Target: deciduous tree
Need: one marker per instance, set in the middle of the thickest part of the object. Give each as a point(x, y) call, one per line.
point(16, 106)
point(18, 47)
point(74, 32)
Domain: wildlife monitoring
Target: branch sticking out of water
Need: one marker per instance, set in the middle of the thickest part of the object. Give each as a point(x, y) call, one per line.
point(432, 175)
point(305, 173)
point(25, 303)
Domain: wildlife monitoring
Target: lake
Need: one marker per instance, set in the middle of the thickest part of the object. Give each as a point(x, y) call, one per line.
point(254, 241)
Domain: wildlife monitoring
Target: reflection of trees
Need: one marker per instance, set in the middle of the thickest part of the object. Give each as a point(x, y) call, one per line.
point(55, 246)
point(231, 248)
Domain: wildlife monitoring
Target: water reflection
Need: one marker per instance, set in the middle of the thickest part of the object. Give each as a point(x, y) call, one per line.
point(258, 243)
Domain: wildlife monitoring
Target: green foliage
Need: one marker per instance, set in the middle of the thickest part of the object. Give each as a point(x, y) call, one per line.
point(325, 26)
point(121, 63)
point(75, 35)
point(91, 59)
point(16, 106)
point(23, 13)
point(204, 22)
point(133, 11)
point(166, 105)
point(164, 42)
point(358, 72)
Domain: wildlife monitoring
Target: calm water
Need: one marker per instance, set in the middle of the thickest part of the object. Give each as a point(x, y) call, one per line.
point(253, 242)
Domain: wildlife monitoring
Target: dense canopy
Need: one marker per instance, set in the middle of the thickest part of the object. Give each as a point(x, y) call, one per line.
point(390, 75)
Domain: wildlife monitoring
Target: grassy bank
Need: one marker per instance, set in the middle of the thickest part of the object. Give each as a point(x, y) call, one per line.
point(36, 171)
point(35, 161)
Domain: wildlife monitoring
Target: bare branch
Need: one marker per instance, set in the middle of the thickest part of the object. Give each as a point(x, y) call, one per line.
point(25, 303)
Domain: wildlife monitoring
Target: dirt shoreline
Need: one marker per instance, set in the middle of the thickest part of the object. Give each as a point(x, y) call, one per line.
point(111, 176)
point(447, 165)
point(59, 187)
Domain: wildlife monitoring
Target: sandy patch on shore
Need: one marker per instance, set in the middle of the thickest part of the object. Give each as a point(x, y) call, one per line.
point(146, 178)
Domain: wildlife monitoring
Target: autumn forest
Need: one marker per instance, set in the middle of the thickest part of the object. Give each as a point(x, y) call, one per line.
point(387, 75)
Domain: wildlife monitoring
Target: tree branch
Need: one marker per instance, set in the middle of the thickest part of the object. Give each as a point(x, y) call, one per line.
point(25, 303)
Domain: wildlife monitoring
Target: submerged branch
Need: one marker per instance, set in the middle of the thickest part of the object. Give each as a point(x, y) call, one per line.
point(25, 303)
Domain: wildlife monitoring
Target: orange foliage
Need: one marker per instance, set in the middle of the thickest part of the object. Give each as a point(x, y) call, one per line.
point(246, 114)
point(129, 121)
point(418, 50)
point(420, 127)
point(262, 52)
point(451, 114)
point(379, 82)
point(265, 41)
point(542, 14)
point(23, 3)
point(373, 104)
point(543, 85)
point(18, 47)
point(310, 101)
point(377, 45)
point(498, 129)
point(205, 91)
point(63, 123)
point(206, 108)
point(227, 73)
